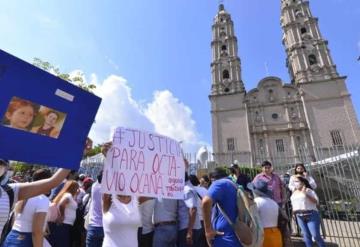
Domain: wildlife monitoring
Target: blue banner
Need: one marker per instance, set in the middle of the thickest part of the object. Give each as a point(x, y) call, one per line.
point(43, 119)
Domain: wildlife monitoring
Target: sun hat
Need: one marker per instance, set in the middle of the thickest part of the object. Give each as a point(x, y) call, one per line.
point(260, 188)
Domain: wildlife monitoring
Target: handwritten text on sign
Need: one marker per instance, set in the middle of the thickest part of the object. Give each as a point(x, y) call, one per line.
point(145, 164)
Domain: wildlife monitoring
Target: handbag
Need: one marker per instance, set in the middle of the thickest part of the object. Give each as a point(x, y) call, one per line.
point(241, 230)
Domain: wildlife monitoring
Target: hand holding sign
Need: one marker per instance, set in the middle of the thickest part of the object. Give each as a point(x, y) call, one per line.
point(105, 148)
point(143, 163)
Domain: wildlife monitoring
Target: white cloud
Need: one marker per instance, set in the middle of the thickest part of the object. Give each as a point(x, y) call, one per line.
point(165, 114)
point(117, 108)
point(171, 117)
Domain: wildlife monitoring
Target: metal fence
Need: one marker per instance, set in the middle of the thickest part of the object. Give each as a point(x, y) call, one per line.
point(336, 171)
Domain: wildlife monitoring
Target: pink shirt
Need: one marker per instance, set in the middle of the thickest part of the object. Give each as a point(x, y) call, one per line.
point(274, 184)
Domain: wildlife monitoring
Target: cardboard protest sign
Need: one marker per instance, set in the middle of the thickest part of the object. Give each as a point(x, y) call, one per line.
point(43, 119)
point(145, 164)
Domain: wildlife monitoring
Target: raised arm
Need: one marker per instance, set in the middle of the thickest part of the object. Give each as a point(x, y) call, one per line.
point(106, 199)
point(28, 190)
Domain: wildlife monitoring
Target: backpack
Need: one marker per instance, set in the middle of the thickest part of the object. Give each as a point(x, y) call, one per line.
point(8, 225)
point(248, 215)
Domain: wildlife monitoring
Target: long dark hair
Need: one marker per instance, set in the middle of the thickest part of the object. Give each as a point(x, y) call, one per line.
point(305, 182)
point(297, 165)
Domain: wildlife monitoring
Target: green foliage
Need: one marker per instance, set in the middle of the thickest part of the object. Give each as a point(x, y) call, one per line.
point(251, 172)
point(94, 151)
point(76, 80)
point(20, 167)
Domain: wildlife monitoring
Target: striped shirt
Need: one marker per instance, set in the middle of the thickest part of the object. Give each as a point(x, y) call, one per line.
point(4, 204)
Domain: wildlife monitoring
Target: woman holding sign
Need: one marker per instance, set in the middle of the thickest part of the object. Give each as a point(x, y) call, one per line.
point(10, 194)
point(30, 218)
point(121, 216)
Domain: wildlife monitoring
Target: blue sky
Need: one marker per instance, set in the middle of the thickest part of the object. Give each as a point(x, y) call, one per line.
point(151, 58)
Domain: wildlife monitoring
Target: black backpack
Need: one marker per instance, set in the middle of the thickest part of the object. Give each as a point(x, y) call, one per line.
point(8, 225)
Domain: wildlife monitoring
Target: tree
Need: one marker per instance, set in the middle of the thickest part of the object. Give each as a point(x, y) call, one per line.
point(94, 151)
point(77, 79)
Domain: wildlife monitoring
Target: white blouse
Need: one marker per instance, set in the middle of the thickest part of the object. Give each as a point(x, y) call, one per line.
point(121, 223)
point(300, 201)
point(70, 209)
point(308, 178)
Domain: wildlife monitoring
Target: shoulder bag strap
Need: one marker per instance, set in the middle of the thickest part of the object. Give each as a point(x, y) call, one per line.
point(226, 216)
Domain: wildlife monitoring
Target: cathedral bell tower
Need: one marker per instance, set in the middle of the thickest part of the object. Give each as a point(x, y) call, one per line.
point(327, 104)
point(225, 66)
point(308, 56)
point(230, 131)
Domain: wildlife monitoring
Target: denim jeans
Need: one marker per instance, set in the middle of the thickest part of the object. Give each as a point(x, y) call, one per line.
point(94, 236)
point(165, 236)
point(310, 227)
point(18, 239)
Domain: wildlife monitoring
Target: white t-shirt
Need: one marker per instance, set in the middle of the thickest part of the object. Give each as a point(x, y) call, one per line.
point(147, 212)
point(268, 210)
point(191, 200)
point(23, 221)
point(300, 201)
point(70, 209)
point(4, 204)
point(201, 191)
point(121, 223)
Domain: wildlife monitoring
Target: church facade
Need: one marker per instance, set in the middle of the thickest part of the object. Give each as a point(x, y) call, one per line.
point(278, 119)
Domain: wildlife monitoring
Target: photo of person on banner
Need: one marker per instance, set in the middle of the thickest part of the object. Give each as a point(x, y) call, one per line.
point(51, 122)
point(28, 116)
point(20, 114)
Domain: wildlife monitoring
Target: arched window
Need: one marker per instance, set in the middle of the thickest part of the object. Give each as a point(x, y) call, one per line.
point(298, 13)
point(223, 48)
point(226, 74)
point(312, 59)
point(303, 30)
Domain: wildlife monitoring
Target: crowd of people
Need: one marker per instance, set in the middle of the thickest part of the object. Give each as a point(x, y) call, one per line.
point(68, 209)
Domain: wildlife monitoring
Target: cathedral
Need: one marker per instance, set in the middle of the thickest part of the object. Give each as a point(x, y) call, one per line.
point(278, 121)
